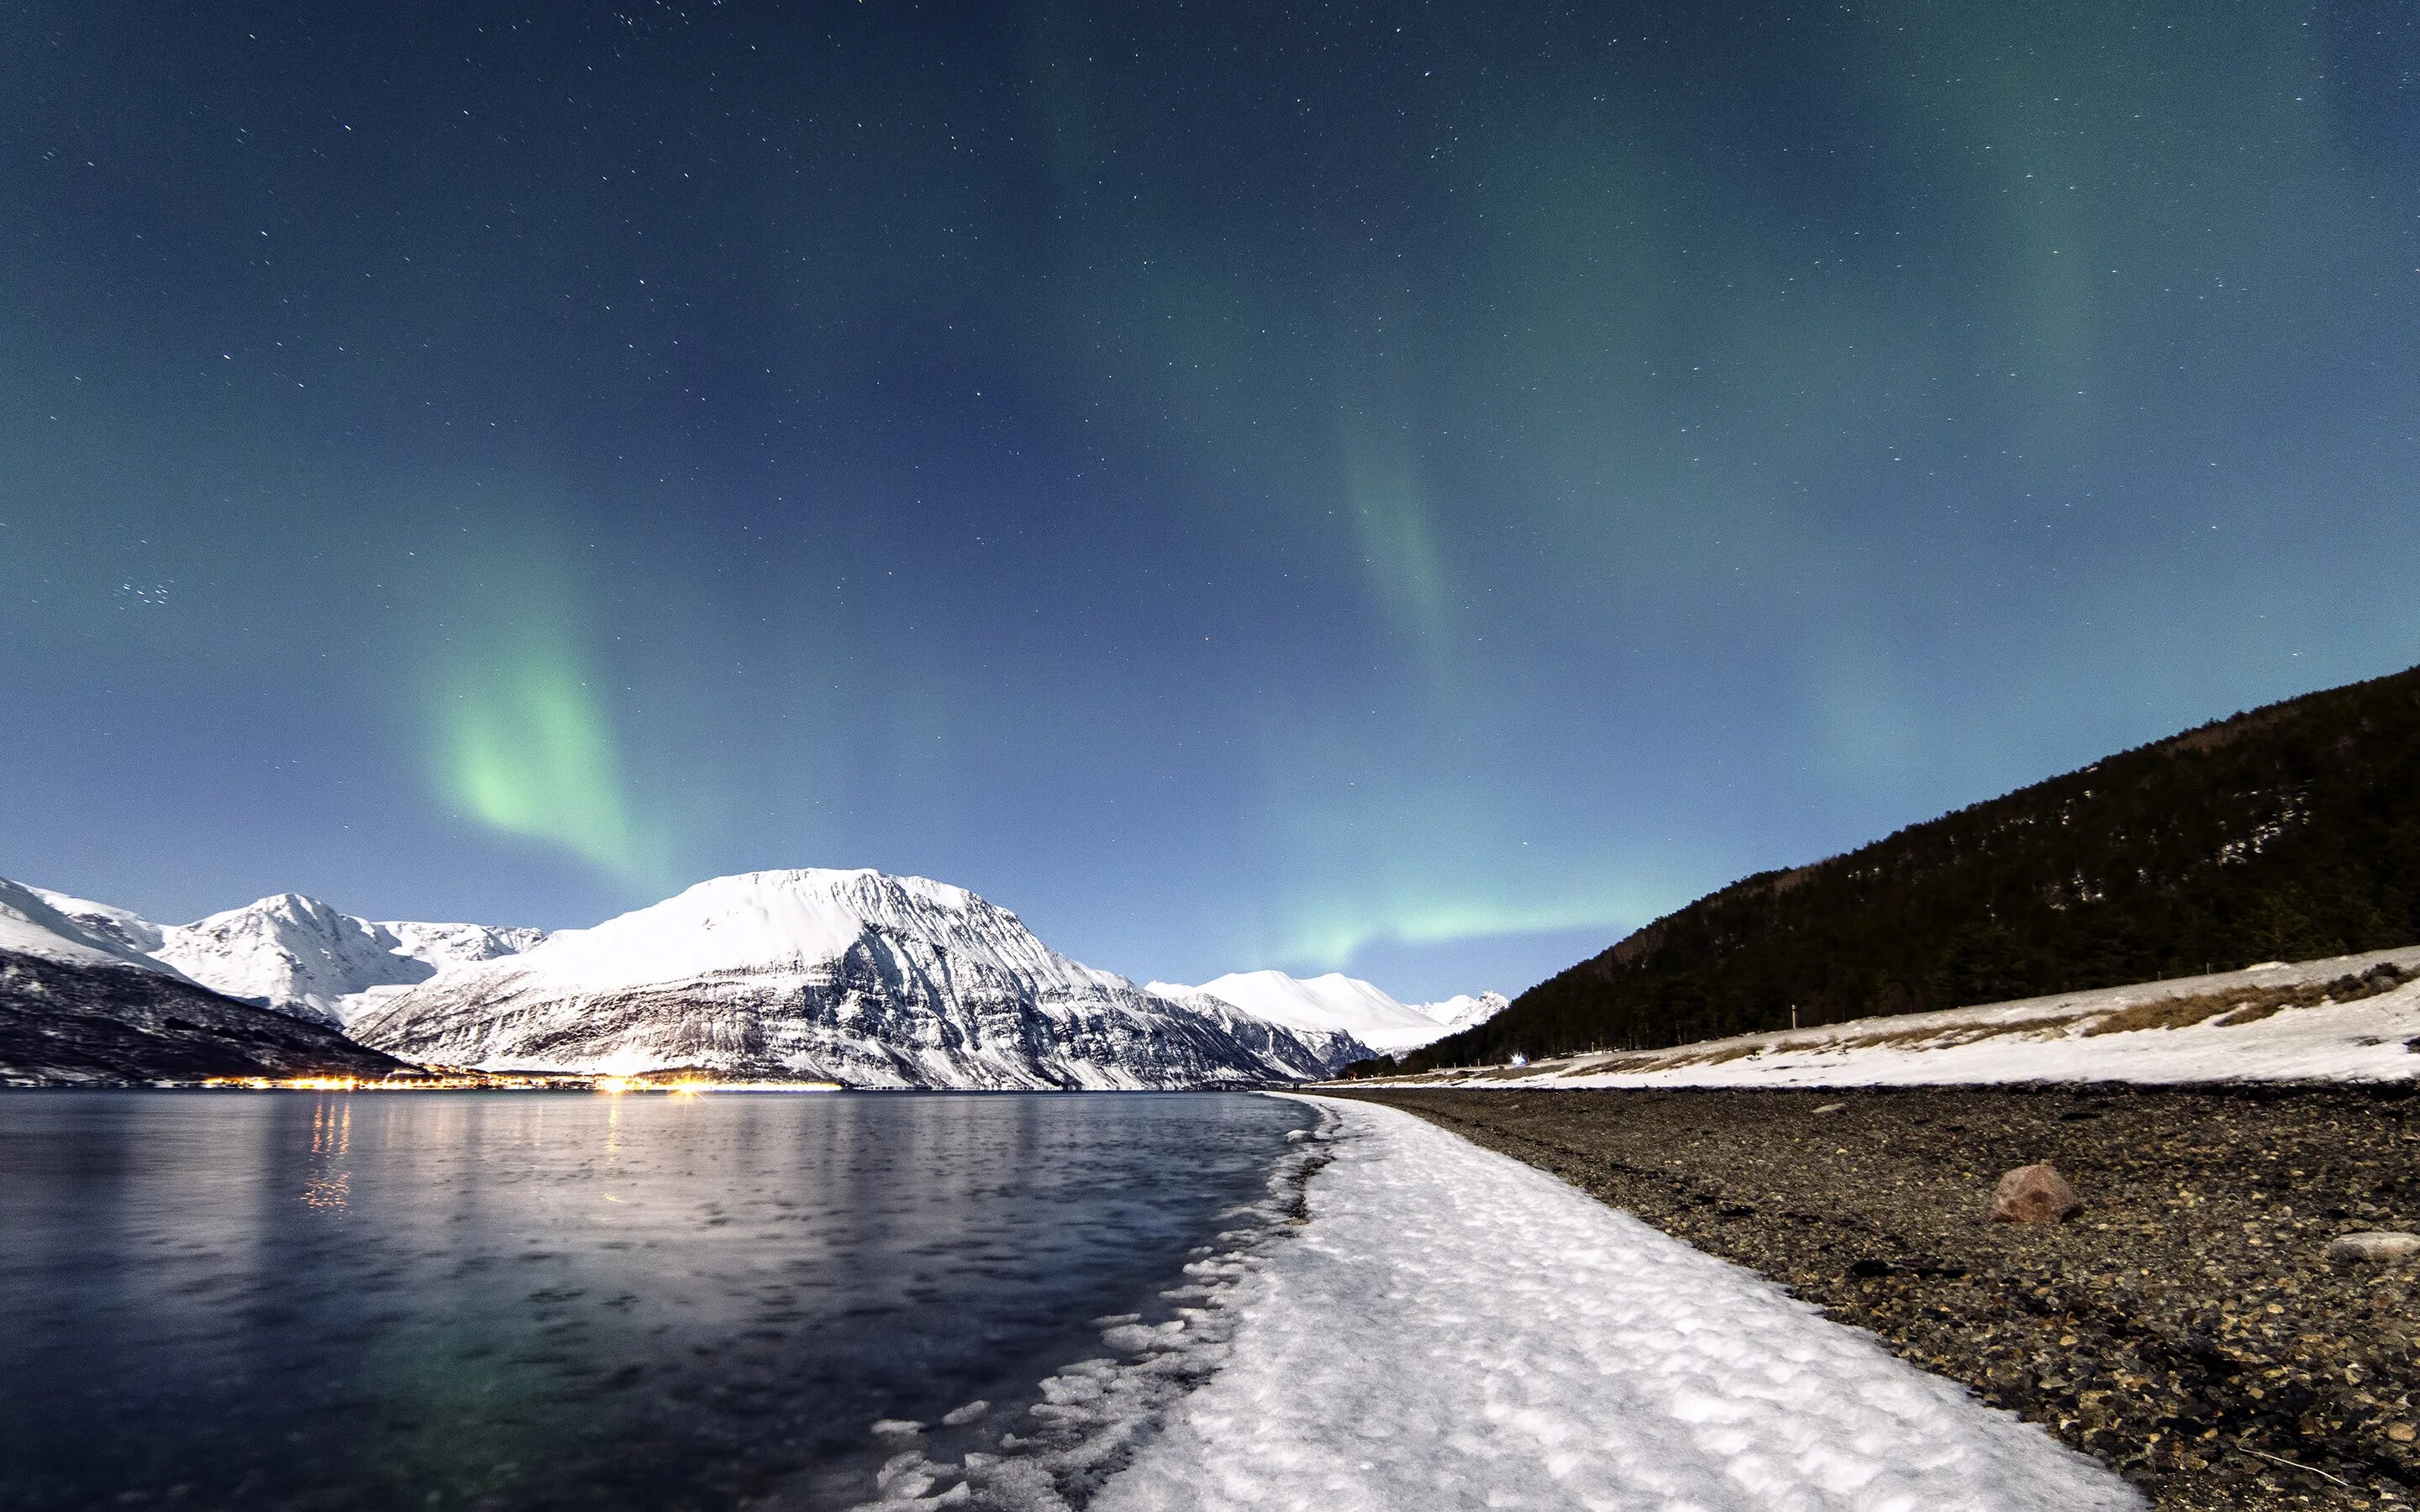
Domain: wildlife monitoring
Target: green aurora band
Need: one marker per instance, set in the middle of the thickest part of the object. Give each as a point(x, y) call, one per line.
point(524, 741)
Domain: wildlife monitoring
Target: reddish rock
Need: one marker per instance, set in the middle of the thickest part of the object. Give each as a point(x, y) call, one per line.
point(2034, 1194)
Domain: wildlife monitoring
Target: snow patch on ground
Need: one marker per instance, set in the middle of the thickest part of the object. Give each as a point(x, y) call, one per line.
point(1456, 1330)
point(2039, 1039)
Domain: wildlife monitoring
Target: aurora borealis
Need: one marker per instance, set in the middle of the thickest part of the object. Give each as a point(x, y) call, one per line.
point(1414, 489)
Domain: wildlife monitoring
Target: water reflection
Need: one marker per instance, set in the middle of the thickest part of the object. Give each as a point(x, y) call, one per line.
point(332, 1135)
point(549, 1300)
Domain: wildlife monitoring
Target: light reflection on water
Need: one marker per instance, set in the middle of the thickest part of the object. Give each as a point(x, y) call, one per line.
point(549, 1300)
point(332, 1136)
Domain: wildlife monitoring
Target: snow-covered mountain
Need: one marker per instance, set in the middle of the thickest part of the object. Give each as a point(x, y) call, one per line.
point(31, 925)
point(1465, 1009)
point(79, 1003)
point(1336, 1003)
point(295, 953)
point(850, 976)
point(855, 977)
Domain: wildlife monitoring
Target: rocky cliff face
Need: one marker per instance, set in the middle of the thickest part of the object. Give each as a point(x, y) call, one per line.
point(854, 976)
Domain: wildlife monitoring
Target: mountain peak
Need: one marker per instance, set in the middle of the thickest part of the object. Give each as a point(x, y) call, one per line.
point(852, 976)
point(779, 920)
point(1339, 1003)
point(288, 950)
point(847, 884)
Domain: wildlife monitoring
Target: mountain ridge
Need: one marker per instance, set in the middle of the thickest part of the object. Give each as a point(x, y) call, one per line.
point(1335, 1001)
point(819, 974)
point(295, 953)
point(848, 976)
point(2290, 832)
point(79, 1005)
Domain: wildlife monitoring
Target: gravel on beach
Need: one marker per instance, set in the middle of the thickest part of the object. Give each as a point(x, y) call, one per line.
point(2187, 1327)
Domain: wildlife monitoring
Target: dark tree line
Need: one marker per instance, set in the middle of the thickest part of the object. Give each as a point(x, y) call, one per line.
point(2284, 834)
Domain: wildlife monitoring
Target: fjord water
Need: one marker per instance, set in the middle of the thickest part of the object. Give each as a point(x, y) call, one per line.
point(505, 1301)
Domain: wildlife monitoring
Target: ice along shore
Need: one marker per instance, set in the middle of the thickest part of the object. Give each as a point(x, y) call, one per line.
point(2187, 1327)
point(1455, 1328)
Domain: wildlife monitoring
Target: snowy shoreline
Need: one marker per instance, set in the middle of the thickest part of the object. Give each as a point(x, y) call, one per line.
point(2064, 1038)
point(1454, 1329)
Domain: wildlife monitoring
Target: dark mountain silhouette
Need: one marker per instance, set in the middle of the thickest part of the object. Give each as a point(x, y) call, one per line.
point(2287, 833)
point(65, 1021)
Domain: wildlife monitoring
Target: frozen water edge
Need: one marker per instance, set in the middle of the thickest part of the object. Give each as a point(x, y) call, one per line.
point(1096, 1412)
point(1455, 1328)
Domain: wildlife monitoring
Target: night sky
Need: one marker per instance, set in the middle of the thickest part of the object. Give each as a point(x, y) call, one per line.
point(1417, 490)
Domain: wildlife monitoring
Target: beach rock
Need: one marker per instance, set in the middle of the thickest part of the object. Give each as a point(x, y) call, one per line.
point(2348, 1250)
point(2034, 1194)
point(2187, 1339)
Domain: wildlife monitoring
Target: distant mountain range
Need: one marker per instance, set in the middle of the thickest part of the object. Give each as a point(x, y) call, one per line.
point(2289, 833)
point(854, 976)
point(1339, 1002)
point(78, 1005)
point(296, 953)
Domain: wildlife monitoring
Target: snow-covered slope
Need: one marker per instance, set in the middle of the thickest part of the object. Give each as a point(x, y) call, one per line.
point(1339, 1004)
point(80, 1005)
point(131, 933)
point(2347, 1018)
point(1465, 1010)
point(456, 944)
point(854, 976)
point(31, 925)
point(1332, 1048)
point(290, 952)
point(295, 953)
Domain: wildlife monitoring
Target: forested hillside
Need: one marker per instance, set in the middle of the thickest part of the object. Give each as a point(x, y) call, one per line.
point(2287, 833)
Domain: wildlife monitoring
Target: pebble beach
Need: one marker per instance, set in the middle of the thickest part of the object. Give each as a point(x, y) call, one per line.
point(2187, 1327)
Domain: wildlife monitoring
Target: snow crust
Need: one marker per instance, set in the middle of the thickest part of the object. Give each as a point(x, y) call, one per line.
point(1336, 1003)
point(2041, 1039)
point(1456, 1330)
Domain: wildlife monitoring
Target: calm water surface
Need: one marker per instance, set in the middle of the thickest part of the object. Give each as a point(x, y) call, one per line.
point(552, 1300)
